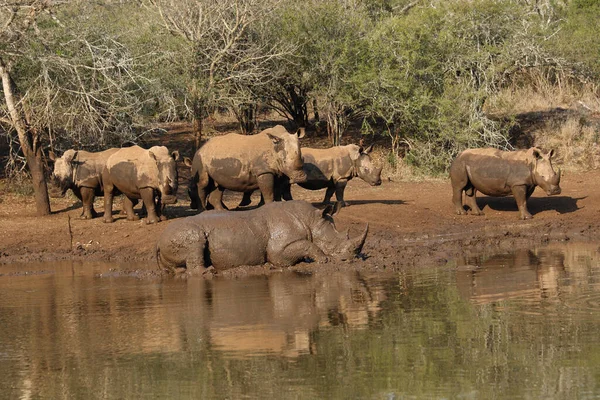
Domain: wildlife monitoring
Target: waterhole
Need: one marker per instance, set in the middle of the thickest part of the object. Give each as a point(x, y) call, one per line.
point(518, 325)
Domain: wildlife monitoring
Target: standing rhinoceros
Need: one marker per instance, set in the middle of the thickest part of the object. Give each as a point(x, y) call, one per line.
point(501, 173)
point(80, 171)
point(243, 163)
point(331, 168)
point(280, 233)
point(140, 173)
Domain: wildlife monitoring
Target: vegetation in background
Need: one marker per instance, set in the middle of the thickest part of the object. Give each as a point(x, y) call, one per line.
point(428, 77)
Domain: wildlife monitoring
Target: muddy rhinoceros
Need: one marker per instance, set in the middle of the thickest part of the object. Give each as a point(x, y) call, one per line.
point(501, 173)
point(141, 174)
point(80, 171)
point(331, 168)
point(280, 233)
point(243, 163)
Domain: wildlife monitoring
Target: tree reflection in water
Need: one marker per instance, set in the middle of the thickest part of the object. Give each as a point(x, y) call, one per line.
point(514, 325)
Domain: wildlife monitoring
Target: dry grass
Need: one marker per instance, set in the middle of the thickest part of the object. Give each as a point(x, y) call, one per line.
point(563, 117)
point(576, 143)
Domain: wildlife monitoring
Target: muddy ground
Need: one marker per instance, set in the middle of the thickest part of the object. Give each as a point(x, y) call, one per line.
point(411, 224)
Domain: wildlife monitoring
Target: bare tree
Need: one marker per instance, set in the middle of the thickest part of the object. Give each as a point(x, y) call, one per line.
point(17, 19)
point(229, 55)
point(60, 80)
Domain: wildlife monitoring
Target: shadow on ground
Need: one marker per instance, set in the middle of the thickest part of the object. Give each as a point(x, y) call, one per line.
point(561, 204)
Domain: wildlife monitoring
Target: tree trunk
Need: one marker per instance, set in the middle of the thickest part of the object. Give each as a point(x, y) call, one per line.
point(29, 140)
point(246, 115)
point(197, 123)
point(35, 163)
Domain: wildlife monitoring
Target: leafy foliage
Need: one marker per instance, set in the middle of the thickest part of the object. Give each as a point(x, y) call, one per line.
point(417, 72)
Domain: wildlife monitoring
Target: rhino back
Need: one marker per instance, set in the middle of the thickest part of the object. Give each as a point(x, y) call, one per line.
point(234, 161)
point(131, 169)
point(495, 172)
point(89, 169)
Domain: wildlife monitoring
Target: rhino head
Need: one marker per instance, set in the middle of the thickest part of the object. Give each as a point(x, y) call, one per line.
point(63, 174)
point(289, 156)
point(543, 173)
point(333, 243)
point(167, 172)
point(363, 165)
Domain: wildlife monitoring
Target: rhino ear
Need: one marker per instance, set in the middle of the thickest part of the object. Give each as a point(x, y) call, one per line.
point(368, 149)
point(274, 139)
point(536, 153)
point(52, 156)
point(354, 152)
point(332, 209)
point(187, 161)
point(301, 133)
point(70, 155)
point(152, 155)
point(175, 155)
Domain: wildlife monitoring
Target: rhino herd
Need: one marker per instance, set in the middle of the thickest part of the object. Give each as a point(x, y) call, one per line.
point(281, 233)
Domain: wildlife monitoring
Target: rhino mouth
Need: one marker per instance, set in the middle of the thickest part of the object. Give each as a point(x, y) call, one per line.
point(298, 176)
point(553, 191)
point(57, 189)
point(169, 199)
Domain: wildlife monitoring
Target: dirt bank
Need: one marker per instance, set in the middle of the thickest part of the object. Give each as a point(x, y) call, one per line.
point(411, 224)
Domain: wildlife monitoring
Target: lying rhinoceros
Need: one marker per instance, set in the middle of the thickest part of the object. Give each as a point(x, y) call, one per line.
point(139, 173)
point(80, 171)
point(243, 163)
point(330, 168)
point(280, 233)
point(501, 173)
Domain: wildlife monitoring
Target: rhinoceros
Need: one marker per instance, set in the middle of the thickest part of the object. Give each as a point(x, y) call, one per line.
point(243, 163)
point(330, 168)
point(139, 173)
point(280, 233)
point(500, 173)
point(80, 171)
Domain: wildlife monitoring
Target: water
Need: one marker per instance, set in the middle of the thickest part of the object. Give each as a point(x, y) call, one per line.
point(521, 325)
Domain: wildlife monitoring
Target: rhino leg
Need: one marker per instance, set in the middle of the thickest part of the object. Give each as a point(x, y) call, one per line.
point(329, 193)
point(340, 186)
point(87, 198)
point(216, 199)
point(520, 194)
point(296, 252)
point(286, 192)
point(247, 199)
point(266, 183)
point(471, 201)
point(108, 200)
point(128, 208)
point(460, 181)
point(160, 208)
point(147, 195)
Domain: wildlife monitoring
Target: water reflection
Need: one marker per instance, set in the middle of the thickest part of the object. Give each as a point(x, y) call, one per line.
point(512, 325)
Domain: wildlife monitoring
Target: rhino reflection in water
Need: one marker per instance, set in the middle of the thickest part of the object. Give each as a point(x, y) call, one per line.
point(280, 233)
point(293, 307)
point(501, 173)
point(523, 274)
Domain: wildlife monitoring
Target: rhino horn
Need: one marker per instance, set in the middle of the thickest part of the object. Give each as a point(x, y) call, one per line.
point(359, 241)
point(558, 177)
